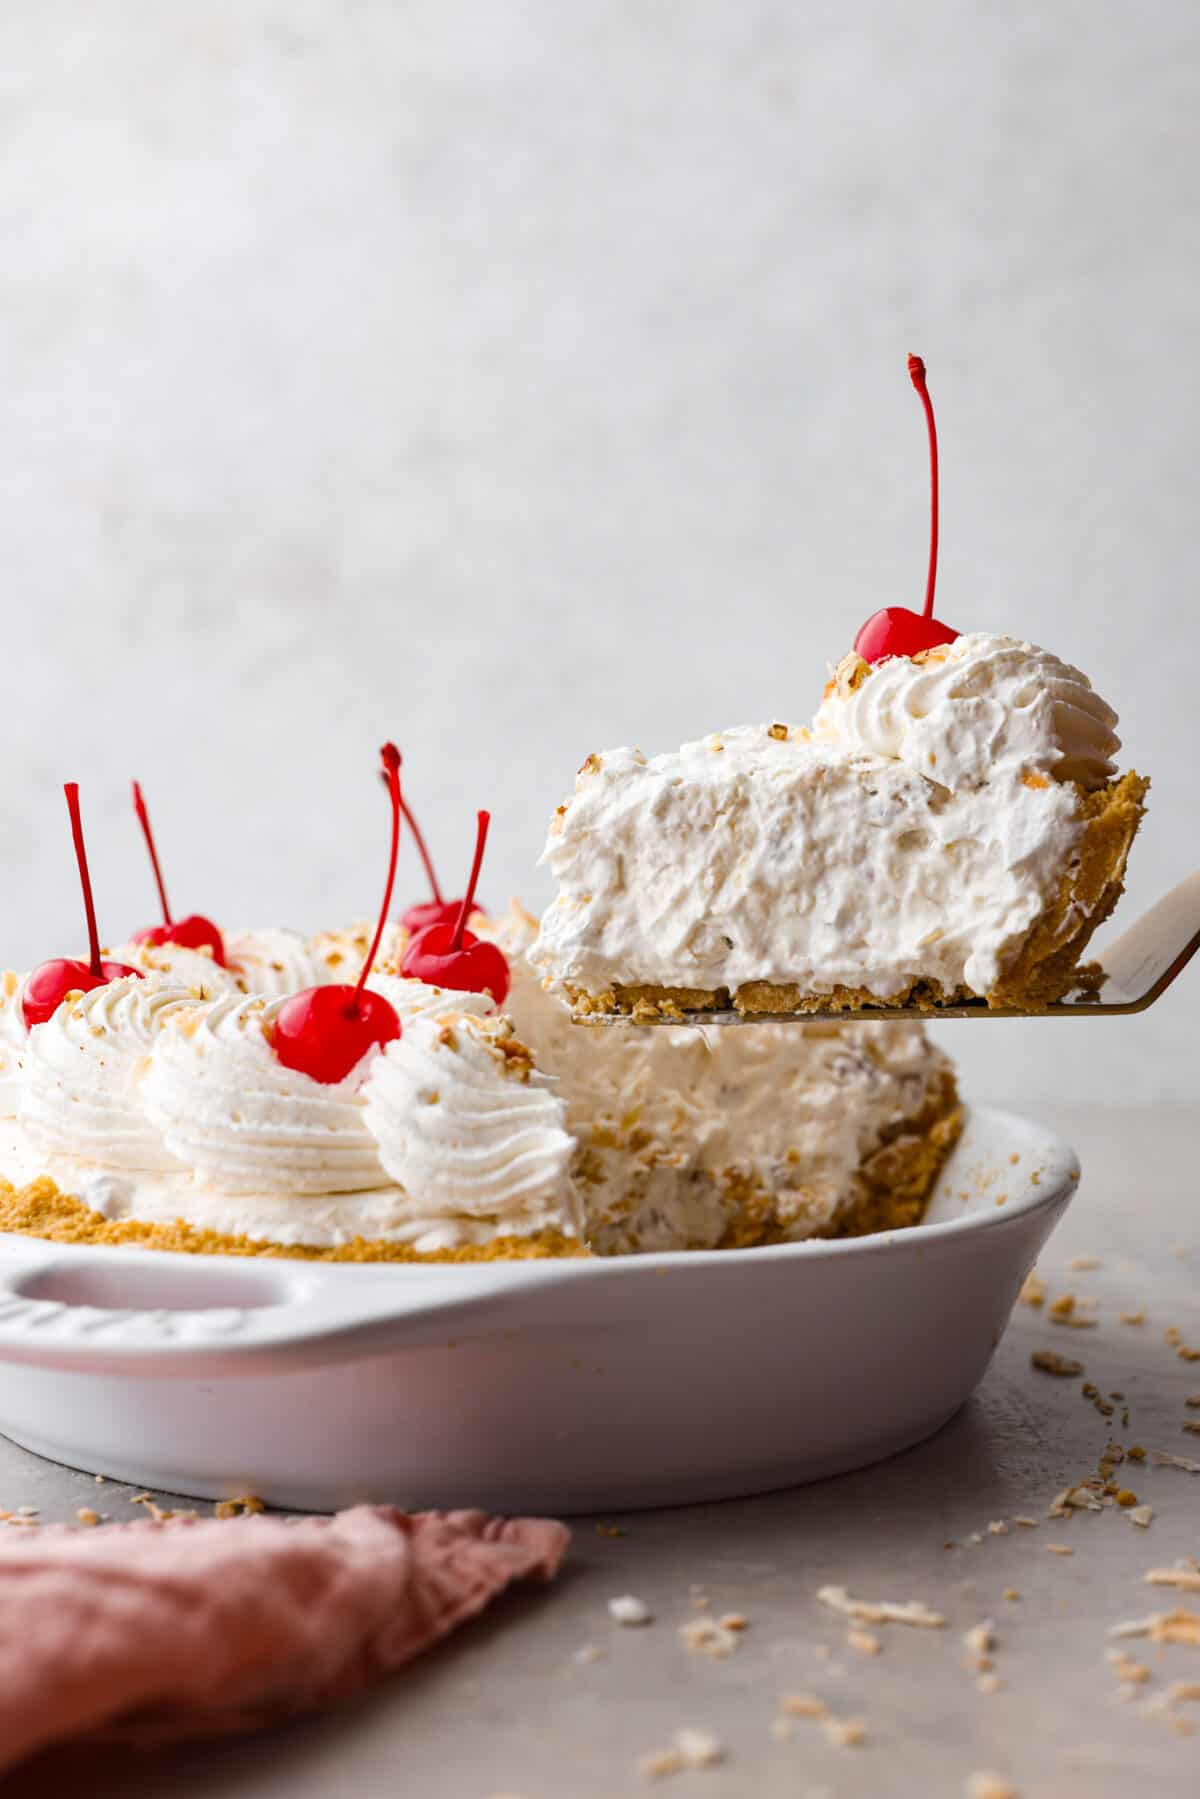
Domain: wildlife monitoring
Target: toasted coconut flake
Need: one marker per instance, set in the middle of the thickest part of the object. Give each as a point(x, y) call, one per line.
point(704, 1636)
point(1186, 1579)
point(882, 1611)
point(845, 1733)
point(1162, 1458)
point(985, 1785)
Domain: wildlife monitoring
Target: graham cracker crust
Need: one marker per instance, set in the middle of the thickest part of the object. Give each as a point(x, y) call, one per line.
point(42, 1210)
point(1044, 969)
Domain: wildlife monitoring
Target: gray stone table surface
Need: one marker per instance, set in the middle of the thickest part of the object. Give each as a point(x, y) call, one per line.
point(511, 1707)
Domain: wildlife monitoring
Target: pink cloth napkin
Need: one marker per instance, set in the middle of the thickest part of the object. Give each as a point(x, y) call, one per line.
point(148, 1632)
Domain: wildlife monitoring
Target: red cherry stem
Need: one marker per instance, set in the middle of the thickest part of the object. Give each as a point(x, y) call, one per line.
point(71, 789)
point(391, 772)
point(483, 820)
point(916, 370)
point(143, 818)
point(413, 826)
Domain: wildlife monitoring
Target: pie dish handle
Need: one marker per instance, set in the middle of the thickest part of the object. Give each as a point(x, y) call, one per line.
point(102, 1311)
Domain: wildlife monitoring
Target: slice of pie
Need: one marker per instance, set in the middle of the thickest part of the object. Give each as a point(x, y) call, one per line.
point(951, 827)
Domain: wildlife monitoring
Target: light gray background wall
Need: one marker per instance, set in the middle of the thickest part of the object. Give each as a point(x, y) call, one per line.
point(522, 378)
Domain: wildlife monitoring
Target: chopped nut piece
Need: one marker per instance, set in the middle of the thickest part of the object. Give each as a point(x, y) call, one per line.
point(1083, 1263)
point(985, 1785)
point(1132, 1317)
point(1126, 1669)
point(1140, 1514)
point(1026, 1523)
point(998, 1528)
point(864, 1641)
point(1011, 1593)
point(988, 1684)
point(844, 1733)
point(734, 1621)
point(704, 1636)
point(658, 1763)
point(803, 1705)
point(86, 1515)
point(1059, 1549)
point(978, 1643)
point(161, 1513)
point(1033, 1293)
point(241, 1505)
point(1047, 1362)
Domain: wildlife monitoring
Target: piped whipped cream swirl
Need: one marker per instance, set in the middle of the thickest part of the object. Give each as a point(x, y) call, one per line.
point(82, 1069)
point(274, 961)
point(467, 1125)
point(178, 966)
point(242, 1121)
point(417, 999)
point(13, 1038)
point(972, 711)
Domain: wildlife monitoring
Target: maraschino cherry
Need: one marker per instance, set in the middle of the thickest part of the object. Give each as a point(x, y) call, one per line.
point(448, 955)
point(896, 631)
point(437, 910)
point(326, 1031)
point(193, 932)
point(50, 983)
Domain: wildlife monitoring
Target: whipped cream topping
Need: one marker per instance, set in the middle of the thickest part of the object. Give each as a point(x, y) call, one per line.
point(917, 833)
point(467, 1125)
point(82, 1072)
point(13, 1038)
point(179, 966)
point(972, 711)
point(242, 1121)
point(342, 952)
point(275, 961)
point(411, 999)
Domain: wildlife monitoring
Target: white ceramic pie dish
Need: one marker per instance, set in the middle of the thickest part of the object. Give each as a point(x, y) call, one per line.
point(538, 1386)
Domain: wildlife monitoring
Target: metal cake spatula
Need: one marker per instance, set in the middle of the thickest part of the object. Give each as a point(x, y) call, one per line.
point(1138, 967)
